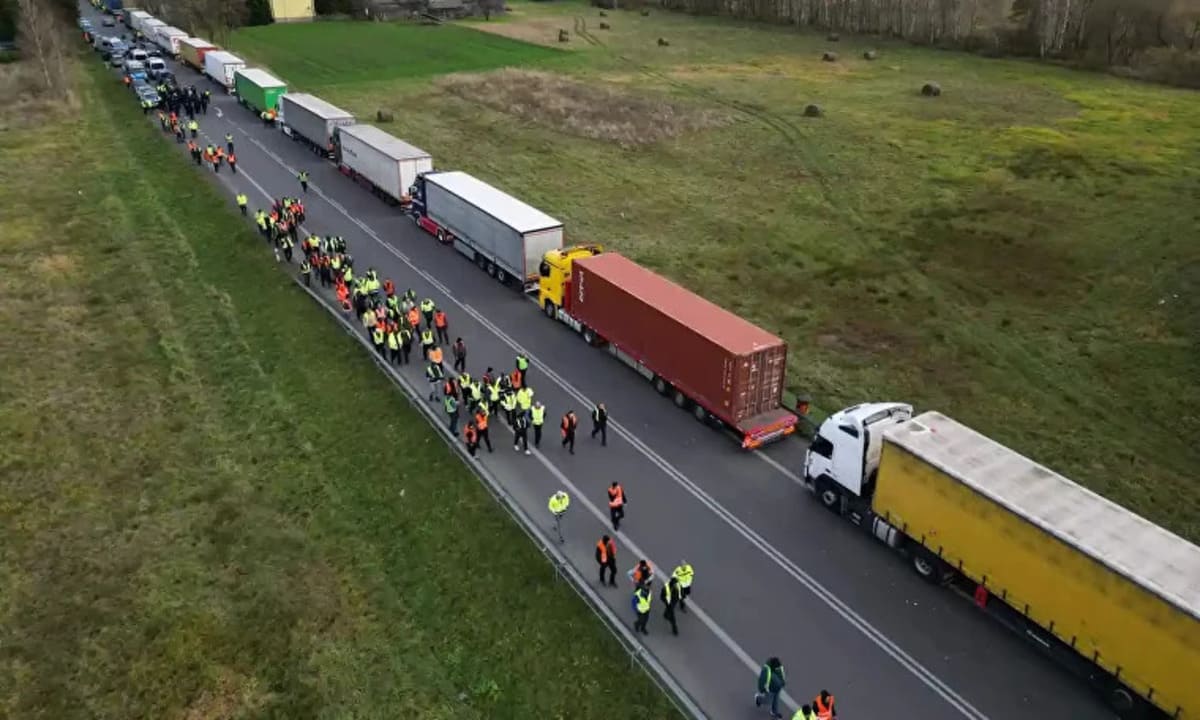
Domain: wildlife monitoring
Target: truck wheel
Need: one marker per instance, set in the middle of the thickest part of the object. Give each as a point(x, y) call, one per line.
point(661, 385)
point(481, 262)
point(828, 494)
point(491, 268)
point(681, 400)
point(416, 216)
point(700, 414)
point(550, 313)
point(929, 566)
point(589, 336)
point(501, 276)
point(441, 235)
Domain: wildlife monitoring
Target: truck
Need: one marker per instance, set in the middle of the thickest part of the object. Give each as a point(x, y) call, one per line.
point(220, 66)
point(113, 7)
point(192, 50)
point(258, 89)
point(499, 233)
point(312, 121)
point(727, 371)
point(1109, 594)
point(167, 37)
point(135, 18)
point(385, 164)
point(150, 27)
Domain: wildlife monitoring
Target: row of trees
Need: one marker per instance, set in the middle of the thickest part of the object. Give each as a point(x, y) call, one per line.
point(1109, 32)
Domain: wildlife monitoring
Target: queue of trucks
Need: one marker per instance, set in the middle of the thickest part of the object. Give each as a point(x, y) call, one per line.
point(1107, 593)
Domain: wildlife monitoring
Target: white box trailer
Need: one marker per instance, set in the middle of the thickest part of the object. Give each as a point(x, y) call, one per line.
point(383, 162)
point(220, 66)
point(133, 17)
point(311, 120)
point(501, 234)
point(167, 38)
point(150, 26)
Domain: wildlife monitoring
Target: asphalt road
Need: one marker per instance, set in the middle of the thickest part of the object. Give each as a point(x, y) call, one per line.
point(775, 573)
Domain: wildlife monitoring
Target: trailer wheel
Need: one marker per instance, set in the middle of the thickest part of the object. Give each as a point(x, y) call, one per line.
point(550, 313)
point(929, 566)
point(501, 275)
point(700, 414)
point(680, 399)
point(661, 385)
point(481, 262)
point(491, 268)
point(589, 335)
point(441, 235)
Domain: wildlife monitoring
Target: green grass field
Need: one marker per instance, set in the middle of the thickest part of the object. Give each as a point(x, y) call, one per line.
point(1019, 253)
point(212, 505)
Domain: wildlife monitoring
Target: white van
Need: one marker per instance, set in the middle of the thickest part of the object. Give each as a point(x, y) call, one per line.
point(156, 66)
point(138, 55)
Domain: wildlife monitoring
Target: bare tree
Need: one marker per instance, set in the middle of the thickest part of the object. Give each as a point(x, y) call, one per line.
point(41, 34)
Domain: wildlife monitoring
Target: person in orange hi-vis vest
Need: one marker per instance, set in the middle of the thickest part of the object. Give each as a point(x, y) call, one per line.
point(823, 705)
point(569, 424)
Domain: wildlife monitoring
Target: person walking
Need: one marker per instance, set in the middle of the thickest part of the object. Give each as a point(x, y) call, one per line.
point(522, 366)
point(537, 419)
point(433, 373)
point(670, 597)
point(406, 341)
point(642, 573)
point(232, 162)
point(393, 343)
point(641, 608)
point(450, 404)
point(521, 433)
point(426, 342)
point(559, 502)
point(481, 425)
point(229, 142)
point(377, 340)
point(242, 201)
point(459, 350)
point(771, 681)
point(508, 403)
point(569, 425)
point(302, 176)
point(823, 706)
point(471, 438)
point(684, 574)
point(194, 128)
point(427, 308)
point(600, 423)
point(616, 505)
point(442, 326)
point(606, 558)
point(306, 272)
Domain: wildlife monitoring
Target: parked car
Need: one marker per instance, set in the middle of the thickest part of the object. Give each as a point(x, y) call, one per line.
point(156, 67)
point(151, 95)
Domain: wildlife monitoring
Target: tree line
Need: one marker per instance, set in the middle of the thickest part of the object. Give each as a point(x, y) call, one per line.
point(1155, 39)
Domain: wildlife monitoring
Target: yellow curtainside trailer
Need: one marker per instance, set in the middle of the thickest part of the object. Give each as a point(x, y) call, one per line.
point(1092, 582)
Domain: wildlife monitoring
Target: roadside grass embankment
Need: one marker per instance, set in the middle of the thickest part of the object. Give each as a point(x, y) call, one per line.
point(212, 505)
point(1019, 252)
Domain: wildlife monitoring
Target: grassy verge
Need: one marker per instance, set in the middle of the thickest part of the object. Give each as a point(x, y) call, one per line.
point(211, 504)
point(1016, 253)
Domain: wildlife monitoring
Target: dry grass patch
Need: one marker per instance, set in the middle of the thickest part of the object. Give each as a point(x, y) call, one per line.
point(24, 105)
point(595, 110)
point(535, 30)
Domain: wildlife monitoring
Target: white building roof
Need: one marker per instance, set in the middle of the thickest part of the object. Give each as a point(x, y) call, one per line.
point(1150, 556)
point(500, 205)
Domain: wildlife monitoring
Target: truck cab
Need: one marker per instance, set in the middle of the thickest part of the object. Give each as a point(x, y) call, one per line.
point(843, 457)
point(554, 277)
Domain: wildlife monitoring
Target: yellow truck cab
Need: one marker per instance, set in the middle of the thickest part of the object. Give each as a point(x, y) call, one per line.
point(554, 273)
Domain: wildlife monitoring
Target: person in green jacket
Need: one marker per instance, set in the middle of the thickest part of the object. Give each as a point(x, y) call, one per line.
point(771, 681)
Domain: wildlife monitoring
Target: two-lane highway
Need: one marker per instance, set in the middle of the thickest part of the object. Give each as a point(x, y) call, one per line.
point(776, 574)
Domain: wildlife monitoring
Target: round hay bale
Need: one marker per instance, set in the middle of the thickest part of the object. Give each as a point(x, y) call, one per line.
point(662, 42)
point(812, 110)
point(563, 36)
point(833, 37)
point(604, 26)
point(829, 56)
point(384, 116)
point(870, 55)
point(931, 89)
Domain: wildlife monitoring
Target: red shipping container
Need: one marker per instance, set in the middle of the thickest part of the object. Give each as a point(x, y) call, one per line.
point(730, 367)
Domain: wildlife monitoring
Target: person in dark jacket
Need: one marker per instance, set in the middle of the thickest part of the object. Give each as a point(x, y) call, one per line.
point(771, 681)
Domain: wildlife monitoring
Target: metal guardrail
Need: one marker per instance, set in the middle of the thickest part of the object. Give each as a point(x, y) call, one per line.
point(639, 655)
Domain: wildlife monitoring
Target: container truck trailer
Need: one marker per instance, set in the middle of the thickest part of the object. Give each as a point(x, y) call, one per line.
point(134, 18)
point(379, 161)
point(1111, 595)
point(502, 235)
point(258, 89)
point(149, 27)
point(192, 50)
point(167, 38)
point(312, 121)
point(220, 66)
point(725, 370)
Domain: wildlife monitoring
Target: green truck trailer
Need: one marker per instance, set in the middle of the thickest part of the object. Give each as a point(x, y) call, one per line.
point(257, 89)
